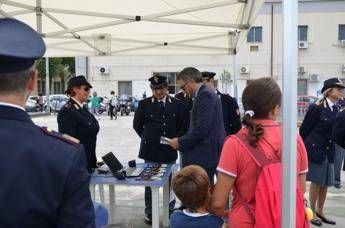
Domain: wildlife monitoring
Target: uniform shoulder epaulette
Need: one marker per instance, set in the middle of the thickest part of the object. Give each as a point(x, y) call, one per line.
point(64, 137)
point(68, 105)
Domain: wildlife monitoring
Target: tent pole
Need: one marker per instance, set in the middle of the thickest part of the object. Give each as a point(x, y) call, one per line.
point(290, 22)
point(47, 85)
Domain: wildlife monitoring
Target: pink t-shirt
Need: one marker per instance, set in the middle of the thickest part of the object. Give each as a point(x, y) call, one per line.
point(235, 161)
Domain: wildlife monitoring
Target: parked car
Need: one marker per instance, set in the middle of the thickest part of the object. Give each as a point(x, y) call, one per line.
point(31, 106)
point(303, 103)
point(57, 101)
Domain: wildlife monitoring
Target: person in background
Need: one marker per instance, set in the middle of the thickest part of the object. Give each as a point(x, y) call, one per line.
point(231, 112)
point(339, 139)
point(316, 131)
point(40, 101)
point(157, 116)
point(112, 105)
point(44, 182)
point(203, 142)
point(95, 104)
point(192, 186)
point(237, 169)
point(144, 95)
point(78, 122)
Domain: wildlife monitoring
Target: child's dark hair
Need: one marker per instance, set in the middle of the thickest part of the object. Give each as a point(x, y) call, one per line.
point(260, 96)
point(191, 185)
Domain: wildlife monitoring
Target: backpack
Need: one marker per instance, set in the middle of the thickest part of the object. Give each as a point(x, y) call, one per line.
point(268, 191)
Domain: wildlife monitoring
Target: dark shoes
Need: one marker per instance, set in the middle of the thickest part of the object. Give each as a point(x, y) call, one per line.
point(148, 219)
point(338, 186)
point(325, 220)
point(316, 222)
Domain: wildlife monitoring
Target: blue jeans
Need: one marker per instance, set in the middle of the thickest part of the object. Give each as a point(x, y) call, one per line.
point(338, 161)
point(148, 198)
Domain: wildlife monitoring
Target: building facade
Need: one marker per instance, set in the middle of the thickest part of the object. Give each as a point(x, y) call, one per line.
point(321, 54)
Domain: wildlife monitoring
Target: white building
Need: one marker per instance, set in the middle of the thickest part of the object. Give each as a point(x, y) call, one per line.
point(321, 54)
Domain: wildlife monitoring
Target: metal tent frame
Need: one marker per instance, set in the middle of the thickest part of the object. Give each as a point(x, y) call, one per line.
point(196, 26)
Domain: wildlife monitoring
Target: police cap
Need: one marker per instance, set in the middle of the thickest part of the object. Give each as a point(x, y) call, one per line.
point(331, 83)
point(20, 46)
point(158, 81)
point(207, 74)
point(77, 81)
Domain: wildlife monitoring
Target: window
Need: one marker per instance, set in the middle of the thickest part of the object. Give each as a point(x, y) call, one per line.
point(57, 87)
point(303, 33)
point(254, 35)
point(171, 78)
point(341, 32)
point(41, 86)
point(254, 48)
point(302, 87)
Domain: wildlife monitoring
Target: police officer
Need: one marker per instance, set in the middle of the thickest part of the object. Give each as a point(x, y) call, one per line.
point(231, 113)
point(339, 139)
point(316, 131)
point(44, 182)
point(78, 122)
point(156, 116)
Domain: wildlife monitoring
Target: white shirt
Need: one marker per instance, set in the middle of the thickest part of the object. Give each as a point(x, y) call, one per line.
point(12, 105)
point(330, 103)
point(80, 104)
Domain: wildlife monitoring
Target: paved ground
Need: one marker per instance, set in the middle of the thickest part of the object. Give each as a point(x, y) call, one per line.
point(119, 137)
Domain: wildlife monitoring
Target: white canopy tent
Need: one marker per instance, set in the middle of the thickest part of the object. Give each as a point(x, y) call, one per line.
point(166, 27)
point(108, 27)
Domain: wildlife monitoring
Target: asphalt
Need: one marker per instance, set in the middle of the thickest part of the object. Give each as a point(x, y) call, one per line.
point(119, 137)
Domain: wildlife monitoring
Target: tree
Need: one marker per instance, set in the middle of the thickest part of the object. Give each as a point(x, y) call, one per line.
point(62, 68)
point(225, 78)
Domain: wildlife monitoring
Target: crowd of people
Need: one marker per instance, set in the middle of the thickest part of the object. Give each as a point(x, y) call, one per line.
point(201, 123)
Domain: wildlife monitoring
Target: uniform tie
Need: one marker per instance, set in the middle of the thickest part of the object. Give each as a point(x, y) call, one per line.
point(335, 108)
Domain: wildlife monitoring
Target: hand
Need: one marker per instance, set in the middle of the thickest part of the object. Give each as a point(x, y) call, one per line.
point(174, 143)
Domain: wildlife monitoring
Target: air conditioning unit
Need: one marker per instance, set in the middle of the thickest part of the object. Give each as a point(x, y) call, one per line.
point(103, 70)
point(302, 44)
point(314, 77)
point(301, 70)
point(244, 70)
point(342, 43)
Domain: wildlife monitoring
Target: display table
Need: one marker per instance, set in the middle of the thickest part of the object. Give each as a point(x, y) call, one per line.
point(154, 183)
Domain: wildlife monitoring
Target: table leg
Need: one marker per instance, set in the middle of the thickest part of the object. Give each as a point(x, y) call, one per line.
point(155, 207)
point(166, 204)
point(92, 189)
point(101, 193)
point(112, 203)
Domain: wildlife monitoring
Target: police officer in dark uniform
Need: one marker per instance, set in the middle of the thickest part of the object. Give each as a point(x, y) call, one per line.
point(316, 132)
point(44, 182)
point(156, 116)
point(76, 121)
point(231, 112)
point(339, 139)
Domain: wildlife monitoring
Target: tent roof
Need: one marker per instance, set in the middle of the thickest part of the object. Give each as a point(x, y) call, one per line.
point(136, 27)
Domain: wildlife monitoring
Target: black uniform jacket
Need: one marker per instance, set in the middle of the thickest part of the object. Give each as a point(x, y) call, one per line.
point(231, 114)
point(316, 132)
point(339, 130)
point(44, 182)
point(188, 103)
point(79, 123)
point(151, 121)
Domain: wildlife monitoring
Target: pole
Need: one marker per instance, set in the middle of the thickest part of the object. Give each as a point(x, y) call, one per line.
point(234, 74)
point(47, 85)
point(290, 22)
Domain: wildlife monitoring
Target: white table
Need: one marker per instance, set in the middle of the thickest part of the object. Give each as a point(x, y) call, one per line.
point(101, 179)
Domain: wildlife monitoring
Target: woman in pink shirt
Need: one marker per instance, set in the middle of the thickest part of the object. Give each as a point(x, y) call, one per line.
point(261, 100)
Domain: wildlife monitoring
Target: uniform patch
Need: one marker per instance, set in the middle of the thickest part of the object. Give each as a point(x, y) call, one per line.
point(76, 106)
point(66, 138)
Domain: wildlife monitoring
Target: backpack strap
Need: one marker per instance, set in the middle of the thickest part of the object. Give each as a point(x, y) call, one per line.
point(254, 152)
point(259, 158)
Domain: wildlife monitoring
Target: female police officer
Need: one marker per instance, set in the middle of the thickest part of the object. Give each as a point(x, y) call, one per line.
point(78, 122)
point(316, 131)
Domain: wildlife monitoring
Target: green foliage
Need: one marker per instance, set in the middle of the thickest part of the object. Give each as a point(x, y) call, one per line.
point(225, 79)
point(62, 68)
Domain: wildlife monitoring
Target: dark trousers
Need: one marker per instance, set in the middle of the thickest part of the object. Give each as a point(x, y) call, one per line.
point(211, 171)
point(338, 161)
point(148, 198)
point(112, 109)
